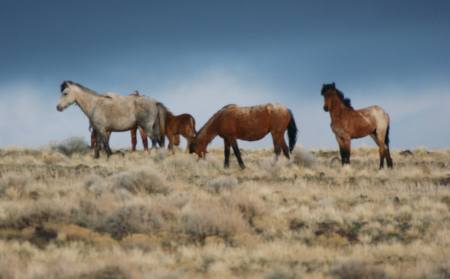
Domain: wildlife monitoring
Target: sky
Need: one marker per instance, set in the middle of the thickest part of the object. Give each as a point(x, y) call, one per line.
point(197, 56)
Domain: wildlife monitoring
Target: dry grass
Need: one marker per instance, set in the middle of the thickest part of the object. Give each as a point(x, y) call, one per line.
point(65, 215)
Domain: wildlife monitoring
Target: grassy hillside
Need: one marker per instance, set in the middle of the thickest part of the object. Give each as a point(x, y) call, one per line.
point(166, 216)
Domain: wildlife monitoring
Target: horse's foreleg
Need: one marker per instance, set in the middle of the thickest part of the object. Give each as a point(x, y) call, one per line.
point(237, 153)
point(93, 139)
point(98, 144)
point(344, 148)
point(106, 143)
point(226, 162)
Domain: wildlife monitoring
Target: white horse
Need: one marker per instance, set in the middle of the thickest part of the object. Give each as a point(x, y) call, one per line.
point(114, 113)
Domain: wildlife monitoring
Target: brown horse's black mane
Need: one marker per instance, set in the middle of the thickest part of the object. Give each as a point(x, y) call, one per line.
point(332, 86)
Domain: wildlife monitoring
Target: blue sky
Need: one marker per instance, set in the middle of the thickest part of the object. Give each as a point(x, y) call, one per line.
point(197, 56)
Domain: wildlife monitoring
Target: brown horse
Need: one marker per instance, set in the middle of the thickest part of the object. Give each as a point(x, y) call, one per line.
point(348, 123)
point(176, 125)
point(247, 123)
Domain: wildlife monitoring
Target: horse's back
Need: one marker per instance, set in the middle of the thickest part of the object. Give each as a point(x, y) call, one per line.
point(377, 113)
point(254, 122)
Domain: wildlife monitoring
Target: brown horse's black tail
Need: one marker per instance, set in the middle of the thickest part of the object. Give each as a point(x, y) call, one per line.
point(292, 132)
point(386, 139)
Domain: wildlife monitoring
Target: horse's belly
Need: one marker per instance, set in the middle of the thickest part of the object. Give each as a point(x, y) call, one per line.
point(252, 135)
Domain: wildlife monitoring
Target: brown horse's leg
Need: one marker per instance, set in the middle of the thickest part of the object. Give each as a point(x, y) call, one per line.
point(133, 139)
point(237, 153)
point(144, 139)
point(390, 164)
point(284, 147)
point(226, 162)
point(171, 142)
point(344, 148)
point(276, 146)
point(383, 149)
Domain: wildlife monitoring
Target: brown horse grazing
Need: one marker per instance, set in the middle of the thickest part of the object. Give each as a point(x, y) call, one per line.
point(348, 123)
point(176, 125)
point(247, 123)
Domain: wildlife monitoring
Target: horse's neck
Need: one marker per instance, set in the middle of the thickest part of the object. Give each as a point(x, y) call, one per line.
point(339, 110)
point(86, 102)
point(207, 133)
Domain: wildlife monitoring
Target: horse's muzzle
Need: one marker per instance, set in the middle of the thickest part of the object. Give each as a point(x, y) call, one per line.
point(325, 108)
point(59, 108)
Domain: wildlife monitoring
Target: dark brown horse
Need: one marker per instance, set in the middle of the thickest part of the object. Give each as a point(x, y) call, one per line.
point(348, 123)
point(247, 123)
point(176, 125)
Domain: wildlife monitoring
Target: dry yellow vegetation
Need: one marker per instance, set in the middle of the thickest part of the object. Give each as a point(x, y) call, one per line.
point(169, 216)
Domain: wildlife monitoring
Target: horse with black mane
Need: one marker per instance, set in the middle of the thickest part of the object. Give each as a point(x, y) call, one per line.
point(247, 123)
point(348, 123)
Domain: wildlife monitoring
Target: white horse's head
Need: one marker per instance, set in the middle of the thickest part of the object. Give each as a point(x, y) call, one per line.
point(68, 91)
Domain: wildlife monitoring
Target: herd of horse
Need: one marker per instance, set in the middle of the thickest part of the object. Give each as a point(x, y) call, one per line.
point(110, 112)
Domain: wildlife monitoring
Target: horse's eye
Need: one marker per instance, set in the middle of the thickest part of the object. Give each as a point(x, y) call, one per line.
point(65, 94)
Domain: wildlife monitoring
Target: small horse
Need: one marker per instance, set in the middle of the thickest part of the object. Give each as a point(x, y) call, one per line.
point(113, 113)
point(176, 125)
point(348, 123)
point(247, 123)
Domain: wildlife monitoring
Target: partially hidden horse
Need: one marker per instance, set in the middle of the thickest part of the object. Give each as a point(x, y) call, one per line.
point(114, 113)
point(247, 123)
point(348, 123)
point(176, 125)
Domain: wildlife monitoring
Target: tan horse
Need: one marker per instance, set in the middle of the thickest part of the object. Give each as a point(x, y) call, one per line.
point(348, 123)
point(113, 113)
point(133, 131)
point(247, 123)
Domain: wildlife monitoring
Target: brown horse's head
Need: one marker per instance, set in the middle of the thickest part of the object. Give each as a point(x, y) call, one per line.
point(197, 148)
point(332, 95)
point(327, 91)
point(68, 91)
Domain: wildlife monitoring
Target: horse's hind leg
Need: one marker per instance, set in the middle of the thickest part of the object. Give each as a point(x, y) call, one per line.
point(390, 164)
point(276, 148)
point(280, 145)
point(381, 147)
point(237, 152)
